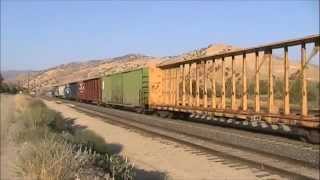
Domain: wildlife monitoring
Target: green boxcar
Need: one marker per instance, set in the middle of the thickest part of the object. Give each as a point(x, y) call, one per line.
point(126, 88)
point(116, 96)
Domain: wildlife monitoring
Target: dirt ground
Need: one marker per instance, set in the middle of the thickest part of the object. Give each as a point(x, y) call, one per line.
point(158, 158)
point(7, 148)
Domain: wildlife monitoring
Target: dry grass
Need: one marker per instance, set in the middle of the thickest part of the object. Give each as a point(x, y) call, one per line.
point(22, 102)
point(51, 149)
point(43, 154)
point(31, 122)
point(90, 139)
point(49, 158)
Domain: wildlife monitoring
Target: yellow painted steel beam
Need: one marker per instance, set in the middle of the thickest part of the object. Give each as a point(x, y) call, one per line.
point(213, 98)
point(183, 85)
point(205, 97)
point(268, 54)
point(187, 77)
point(190, 86)
point(177, 87)
point(164, 87)
point(257, 83)
point(223, 86)
point(286, 102)
point(173, 82)
point(244, 84)
point(169, 87)
point(233, 81)
point(197, 86)
point(304, 100)
point(172, 87)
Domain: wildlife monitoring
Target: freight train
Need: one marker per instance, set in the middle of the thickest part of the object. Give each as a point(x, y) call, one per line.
point(196, 89)
point(136, 89)
point(142, 90)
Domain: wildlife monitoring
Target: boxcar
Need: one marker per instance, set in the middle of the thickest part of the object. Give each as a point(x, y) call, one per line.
point(61, 91)
point(72, 91)
point(135, 89)
point(55, 91)
point(90, 90)
point(50, 93)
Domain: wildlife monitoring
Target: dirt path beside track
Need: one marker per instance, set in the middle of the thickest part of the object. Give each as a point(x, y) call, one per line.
point(8, 149)
point(158, 157)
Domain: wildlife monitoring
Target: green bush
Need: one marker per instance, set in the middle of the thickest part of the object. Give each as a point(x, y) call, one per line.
point(9, 88)
point(313, 90)
point(278, 88)
point(120, 168)
point(4, 88)
point(89, 139)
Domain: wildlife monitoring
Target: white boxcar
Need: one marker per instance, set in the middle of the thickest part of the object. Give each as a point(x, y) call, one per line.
point(61, 91)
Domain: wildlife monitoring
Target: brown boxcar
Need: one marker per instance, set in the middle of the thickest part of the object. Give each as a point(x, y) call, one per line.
point(90, 90)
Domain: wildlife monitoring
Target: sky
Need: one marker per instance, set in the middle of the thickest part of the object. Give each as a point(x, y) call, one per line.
point(37, 34)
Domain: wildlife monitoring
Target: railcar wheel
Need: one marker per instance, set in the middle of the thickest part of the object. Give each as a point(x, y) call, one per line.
point(163, 114)
point(183, 116)
point(302, 134)
point(313, 136)
point(303, 139)
point(139, 110)
point(170, 115)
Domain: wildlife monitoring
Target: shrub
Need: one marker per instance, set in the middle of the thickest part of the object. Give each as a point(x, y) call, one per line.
point(120, 168)
point(9, 88)
point(89, 139)
point(278, 88)
point(49, 158)
point(4, 88)
point(314, 93)
point(313, 90)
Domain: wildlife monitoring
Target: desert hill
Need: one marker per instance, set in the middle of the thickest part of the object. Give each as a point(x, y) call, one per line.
point(77, 71)
point(83, 70)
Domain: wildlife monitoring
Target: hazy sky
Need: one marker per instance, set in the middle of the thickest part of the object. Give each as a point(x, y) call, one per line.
point(37, 35)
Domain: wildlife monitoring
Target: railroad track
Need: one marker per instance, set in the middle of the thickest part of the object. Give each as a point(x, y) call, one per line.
point(276, 153)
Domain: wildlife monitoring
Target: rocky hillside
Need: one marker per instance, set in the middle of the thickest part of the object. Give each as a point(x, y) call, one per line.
point(83, 70)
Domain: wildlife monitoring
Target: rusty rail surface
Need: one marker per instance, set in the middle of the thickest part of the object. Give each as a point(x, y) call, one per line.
point(179, 76)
